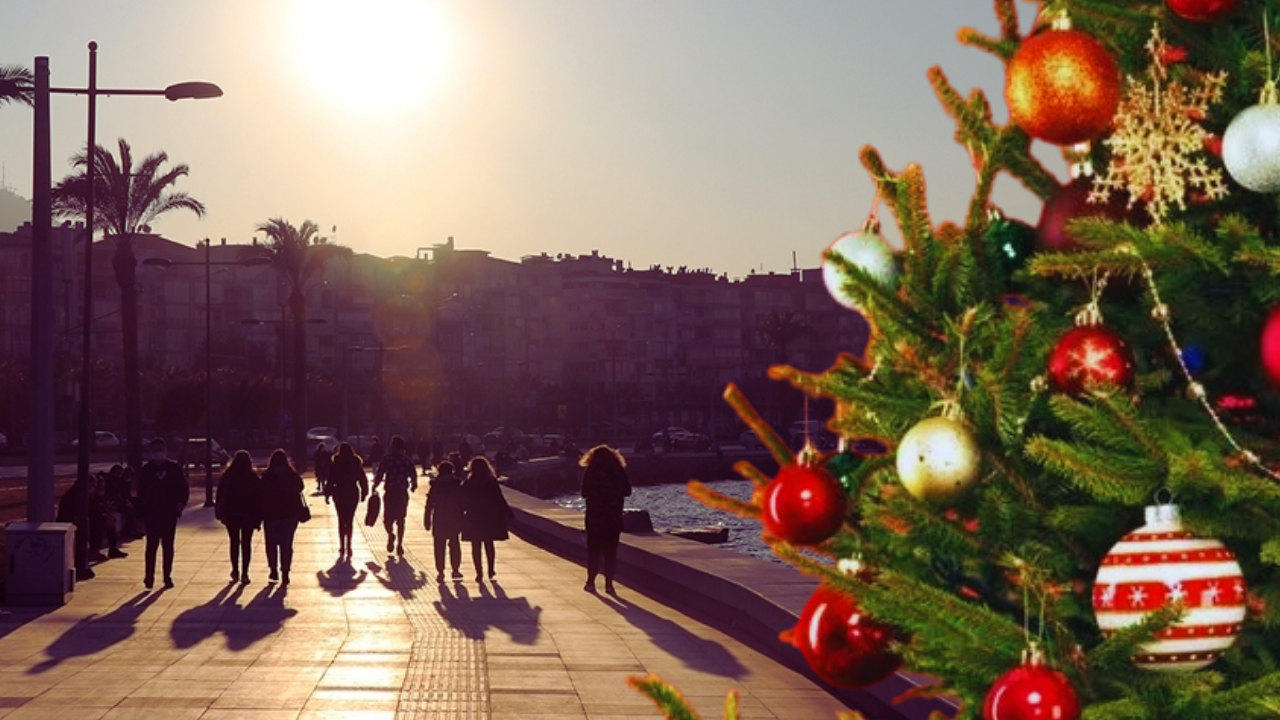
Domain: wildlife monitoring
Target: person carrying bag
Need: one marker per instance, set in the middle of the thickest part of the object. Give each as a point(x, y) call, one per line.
point(372, 508)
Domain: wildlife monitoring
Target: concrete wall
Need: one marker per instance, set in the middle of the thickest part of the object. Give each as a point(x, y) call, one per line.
point(752, 599)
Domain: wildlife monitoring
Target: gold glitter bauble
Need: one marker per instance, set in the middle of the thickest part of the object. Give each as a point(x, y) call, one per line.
point(938, 459)
point(1063, 87)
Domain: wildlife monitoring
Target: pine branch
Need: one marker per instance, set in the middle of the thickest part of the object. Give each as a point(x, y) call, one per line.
point(720, 501)
point(1106, 476)
point(668, 699)
point(751, 472)
point(769, 438)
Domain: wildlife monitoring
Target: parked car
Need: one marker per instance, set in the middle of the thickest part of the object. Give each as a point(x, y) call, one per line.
point(102, 440)
point(684, 439)
point(749, 440)
point(195, 453)
point(815, 431)
point(500, 436)
point(315, 434)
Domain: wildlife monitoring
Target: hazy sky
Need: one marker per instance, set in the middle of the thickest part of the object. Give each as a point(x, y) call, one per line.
point(706, 133)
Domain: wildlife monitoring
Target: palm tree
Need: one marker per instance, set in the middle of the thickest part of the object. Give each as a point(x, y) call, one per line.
point(127, 200)
point(16, 84)
point(298, 254)
point(780, 329)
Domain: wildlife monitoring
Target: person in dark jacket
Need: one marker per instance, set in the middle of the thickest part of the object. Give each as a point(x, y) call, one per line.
point(323, 460)
point(443, 518)
point(162, 494)
point(236, 506)
point(485, 513)
point(605, 485)
point(280, 505)
point(73, 507)
point(401, 477)
point(347, 486)
point(423, 449)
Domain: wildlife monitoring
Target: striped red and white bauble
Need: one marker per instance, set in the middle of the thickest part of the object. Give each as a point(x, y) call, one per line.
point(1160, 563)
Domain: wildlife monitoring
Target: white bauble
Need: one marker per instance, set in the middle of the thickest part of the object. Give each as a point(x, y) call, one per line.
point(866, 249)
point(1251, 148)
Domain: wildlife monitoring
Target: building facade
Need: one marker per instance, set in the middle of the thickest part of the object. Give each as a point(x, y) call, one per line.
point(453, 340)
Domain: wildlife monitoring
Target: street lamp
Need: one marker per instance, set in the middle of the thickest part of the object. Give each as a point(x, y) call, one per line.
point(300, 410)
point(208, 348)
point(40, 469)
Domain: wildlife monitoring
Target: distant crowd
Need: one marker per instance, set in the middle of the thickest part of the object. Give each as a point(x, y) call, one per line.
point(464, 503)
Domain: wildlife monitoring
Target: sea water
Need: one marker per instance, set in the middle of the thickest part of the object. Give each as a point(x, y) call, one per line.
point(671, 507)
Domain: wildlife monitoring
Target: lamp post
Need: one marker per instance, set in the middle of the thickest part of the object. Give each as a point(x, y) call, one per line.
point(40, 471)
point(301, 409)
point(208, 348)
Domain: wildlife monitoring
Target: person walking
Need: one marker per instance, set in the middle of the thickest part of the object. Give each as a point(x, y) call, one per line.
point(401, 477)
point(347, 486)
point(73, 507)
point(323, 461)
point(604, 486)
point(237, 506)
point(443, 518)
point(162, 495)
point(281, 502)
point(423, 448)
point(485, 513)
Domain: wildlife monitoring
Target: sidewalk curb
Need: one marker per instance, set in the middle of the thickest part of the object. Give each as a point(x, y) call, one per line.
point(749, 598)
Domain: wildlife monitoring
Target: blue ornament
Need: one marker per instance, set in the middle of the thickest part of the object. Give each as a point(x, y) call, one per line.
point(1195, 358)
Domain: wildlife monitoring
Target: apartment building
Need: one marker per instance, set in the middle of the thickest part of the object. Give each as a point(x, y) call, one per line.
point(451, 340)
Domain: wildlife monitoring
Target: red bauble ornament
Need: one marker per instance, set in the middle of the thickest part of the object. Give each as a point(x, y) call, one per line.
point(842, 644)
point(803, 505)
point(1090, 354)
point(1270, 347)
point(1032, 691)
point(1062, 86)
point(1201, 10)
point(1071, 202)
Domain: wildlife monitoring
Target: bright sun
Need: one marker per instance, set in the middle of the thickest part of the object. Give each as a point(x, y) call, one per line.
point(373, 56)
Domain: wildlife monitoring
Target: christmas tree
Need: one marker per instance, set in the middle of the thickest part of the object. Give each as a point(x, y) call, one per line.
point(1076, 515)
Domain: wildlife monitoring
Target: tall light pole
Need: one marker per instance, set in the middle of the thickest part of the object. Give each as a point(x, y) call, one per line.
point(40, 475)
point(208, 348)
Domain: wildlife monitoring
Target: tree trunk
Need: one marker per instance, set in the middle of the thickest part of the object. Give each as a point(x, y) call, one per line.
point(125, 266)
point(298, 306)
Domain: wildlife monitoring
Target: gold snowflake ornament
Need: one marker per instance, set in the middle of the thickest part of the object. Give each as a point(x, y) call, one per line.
point(1156, 138)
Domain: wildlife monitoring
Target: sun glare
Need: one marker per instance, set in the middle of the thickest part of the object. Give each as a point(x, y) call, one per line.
point(373, 56)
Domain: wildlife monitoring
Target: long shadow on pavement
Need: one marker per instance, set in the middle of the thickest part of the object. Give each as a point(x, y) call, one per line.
point(695, 652)
point(242, 625)
point(341, 579)
point(474, 616)
point(400, 576)
point(96, 633)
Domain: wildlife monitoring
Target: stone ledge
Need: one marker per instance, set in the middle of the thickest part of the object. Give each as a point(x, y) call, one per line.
point(752, 599)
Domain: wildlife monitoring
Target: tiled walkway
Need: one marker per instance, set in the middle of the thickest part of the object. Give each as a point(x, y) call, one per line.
point(373, 638)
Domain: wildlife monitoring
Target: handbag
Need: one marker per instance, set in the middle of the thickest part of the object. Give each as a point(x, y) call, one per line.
point(304, 510)
point(372, 509)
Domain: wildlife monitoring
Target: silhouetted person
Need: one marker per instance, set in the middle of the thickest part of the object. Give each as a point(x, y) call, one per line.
point(115, 503)
point(401, 477)
point(376, 451)
point(464, 449)
point(281, 502)
point(605, 485)
point(238, 507)
point(323, 460)
point(73, 507)
point(443, 518)
point(485, 513)
point(162, 494)
point(347, 487)
point(423, 449)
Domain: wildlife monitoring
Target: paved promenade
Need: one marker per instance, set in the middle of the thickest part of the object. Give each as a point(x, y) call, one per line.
point(373, 638)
